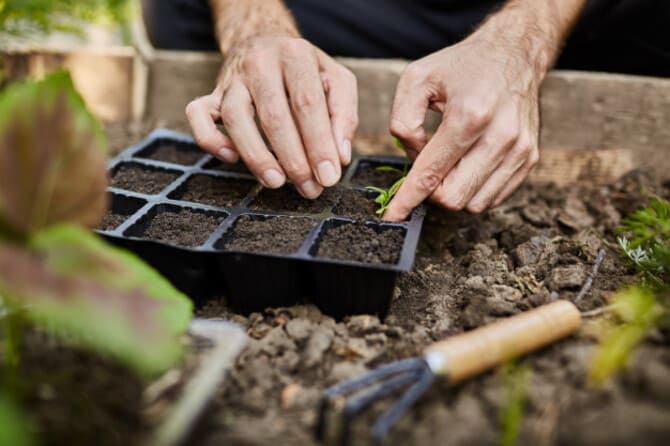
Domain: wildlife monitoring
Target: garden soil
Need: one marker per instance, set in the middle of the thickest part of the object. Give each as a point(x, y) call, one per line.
point(537, 247)
point(470, 271)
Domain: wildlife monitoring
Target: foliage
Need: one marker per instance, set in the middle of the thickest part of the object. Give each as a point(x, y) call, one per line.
point(30, 17)
point(15, 428)
point(516, 378)
point(385, 196)
point(52, 158)
point(641, 307)
point(639, 311)
point(53, 272)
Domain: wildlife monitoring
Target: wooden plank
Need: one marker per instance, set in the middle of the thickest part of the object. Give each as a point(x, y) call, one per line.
point(104, 77)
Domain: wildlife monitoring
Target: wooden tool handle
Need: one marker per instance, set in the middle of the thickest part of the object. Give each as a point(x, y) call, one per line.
point(479, 350)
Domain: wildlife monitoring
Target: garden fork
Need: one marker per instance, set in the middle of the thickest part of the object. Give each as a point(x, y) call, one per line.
point(456, 358)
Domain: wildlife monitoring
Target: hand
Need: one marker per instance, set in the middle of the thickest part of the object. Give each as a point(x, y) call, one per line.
point(306, 104)
point(487, 142)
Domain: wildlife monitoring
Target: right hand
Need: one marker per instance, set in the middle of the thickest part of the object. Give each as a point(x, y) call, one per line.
point(306, 104)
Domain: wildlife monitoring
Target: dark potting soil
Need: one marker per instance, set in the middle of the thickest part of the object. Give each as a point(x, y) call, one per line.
point(111, 221)
point(273, 236)
point(361, 243)
point(170, 153)
point(76, 398)
point(287, 199)
point(215, 191)
point(357, 205)
point(367, 175)
point(183, 228)
point(142, 180)
point(216, 164)
point(469, 271)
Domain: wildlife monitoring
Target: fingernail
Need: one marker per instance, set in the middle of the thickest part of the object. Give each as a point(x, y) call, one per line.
point(346, 151)
point(273, 178)
point(227, 155)
point(310, 189)
point(327, 174)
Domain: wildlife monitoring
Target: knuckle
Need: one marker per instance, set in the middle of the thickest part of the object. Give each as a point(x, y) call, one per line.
point(229, 113)
point(297, 171)
point(507, 136)
point(476, 115)
point(533, 157)
point(429, 180)
point(414, 72)
point(297, 46)
point(206, 141)
point(271, 114)
point(305, 101)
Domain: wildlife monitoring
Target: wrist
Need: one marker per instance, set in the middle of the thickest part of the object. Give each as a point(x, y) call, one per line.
point(532, 31)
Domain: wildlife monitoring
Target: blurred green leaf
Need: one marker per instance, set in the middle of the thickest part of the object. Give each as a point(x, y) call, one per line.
point(516, 379)
point(388, 169)
point(24, 17)
point(15, 427)
point(52, 158)
point(639, 311)
point(73, 283)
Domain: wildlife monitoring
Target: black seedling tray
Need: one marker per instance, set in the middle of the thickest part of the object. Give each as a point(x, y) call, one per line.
point(250, 281)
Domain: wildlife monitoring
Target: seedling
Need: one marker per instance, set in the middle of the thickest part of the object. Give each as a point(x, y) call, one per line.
point(386, 195)
point(643, 306)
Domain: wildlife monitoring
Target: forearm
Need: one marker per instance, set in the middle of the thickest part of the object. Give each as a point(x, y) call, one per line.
point(535, 28)
point(237, 21)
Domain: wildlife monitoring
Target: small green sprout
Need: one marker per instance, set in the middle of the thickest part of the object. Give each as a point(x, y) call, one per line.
point(386, 195)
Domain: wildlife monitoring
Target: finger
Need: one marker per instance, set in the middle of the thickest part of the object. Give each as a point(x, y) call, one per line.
point(459, 130)
point(202, 113)
point(308, 101)
point(341, 89)
point(504, 179)
point(514, 183)
point(238, 119)
point(269, 96)
point(411, 102)
point(466, 179)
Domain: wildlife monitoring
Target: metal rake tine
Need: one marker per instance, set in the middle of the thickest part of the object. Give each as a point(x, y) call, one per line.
point(385, 422)
point(361, 401)
point(356, 383)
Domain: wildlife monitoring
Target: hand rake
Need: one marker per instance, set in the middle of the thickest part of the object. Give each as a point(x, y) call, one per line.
point(456, 358)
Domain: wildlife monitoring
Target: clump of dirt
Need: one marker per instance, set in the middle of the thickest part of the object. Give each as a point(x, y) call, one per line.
point(356, 205)
point(143, 180)
point(280, 235)
point(368, 175)
point(469, 271)
point(214, 191)
point(170, 153)
point(360, 243)
point(75, 397)
point(215, 164)
point(111, 221)
point(287, 199)
point(178, 227)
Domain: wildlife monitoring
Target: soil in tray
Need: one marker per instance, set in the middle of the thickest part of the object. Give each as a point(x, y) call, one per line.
point(368, 175)
point(183, 228)
point(139, 179)
point(214, 191)
point(111, 221)
point(287, 199)
point(357, 205)
point(216, 164)
point(279, 235)
point(171, 153)
point(360, 243)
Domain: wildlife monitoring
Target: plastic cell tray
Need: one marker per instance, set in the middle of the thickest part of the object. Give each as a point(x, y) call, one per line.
point(251, 281)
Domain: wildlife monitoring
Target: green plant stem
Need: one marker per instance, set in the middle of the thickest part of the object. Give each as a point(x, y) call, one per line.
point(13, 333)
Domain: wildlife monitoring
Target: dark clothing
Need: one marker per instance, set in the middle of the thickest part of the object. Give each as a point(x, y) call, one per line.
point(625, 36)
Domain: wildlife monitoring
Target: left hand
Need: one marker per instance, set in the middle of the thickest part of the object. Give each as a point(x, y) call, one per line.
point(487, 142)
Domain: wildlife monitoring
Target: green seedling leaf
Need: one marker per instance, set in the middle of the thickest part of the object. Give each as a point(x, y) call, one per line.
point(15, 427)
point(75, 284)
point(639, 311)
point(398, 144)
point(516, 380)
point(52, 158)
point(388, 169)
